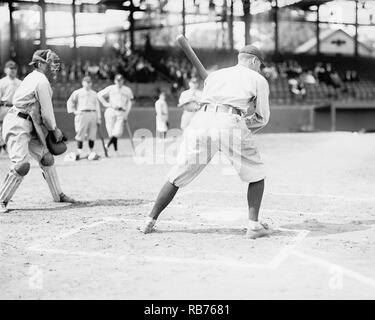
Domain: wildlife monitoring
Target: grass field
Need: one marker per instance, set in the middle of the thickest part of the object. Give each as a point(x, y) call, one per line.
point(320, 198)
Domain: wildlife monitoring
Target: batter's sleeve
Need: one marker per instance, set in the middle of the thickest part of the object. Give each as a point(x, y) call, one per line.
point(71, 104)
point(261, 114)
point(44, 96)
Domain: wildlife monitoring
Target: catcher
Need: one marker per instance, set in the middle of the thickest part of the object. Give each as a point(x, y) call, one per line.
point(26, 126)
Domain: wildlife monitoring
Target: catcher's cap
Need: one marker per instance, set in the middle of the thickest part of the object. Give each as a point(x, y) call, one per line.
point(253, 50)
point(56, 148)
point(119, 77)
point(11, 65)
point(44, 56)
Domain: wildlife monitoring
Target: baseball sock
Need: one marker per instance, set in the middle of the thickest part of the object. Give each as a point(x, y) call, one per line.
point(91, 144)
point(165, 196)
point(115, 143)
point(110, 141)
point(254, 199)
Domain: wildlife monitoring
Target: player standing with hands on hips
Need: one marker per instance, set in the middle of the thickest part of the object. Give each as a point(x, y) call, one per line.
point(26, 126)
point(84, 104)
point(189, 101)
point(8, 86)
point(222, 124)
point(117, 98)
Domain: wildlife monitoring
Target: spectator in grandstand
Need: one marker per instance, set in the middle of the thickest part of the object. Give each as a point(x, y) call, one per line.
point(308, 77)
point(297, 88)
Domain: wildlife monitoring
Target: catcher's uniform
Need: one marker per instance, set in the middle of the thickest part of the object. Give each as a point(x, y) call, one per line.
point(24, 130)
point(161, 108)
point(189, 98)
point(8, 87)
point(85, 105)
point(120, 103)
point(221, 125)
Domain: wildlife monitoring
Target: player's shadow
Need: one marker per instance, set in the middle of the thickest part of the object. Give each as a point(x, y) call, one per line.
point(88, 204)
point(225, 231)
point(318, 228)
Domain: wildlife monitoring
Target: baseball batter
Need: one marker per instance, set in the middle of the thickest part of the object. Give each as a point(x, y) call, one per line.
point(189, 102)
point(117, 99)
point(27, 124)
point(84, 104)
point(161, 109)
point(8, 86)
point(222, 124)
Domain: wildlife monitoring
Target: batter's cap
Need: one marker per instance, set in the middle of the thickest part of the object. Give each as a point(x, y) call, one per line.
point(11, 65)
point(42, 56)
point(253, 50)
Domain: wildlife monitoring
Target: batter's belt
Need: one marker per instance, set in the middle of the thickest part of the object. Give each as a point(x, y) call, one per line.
point(219, 108)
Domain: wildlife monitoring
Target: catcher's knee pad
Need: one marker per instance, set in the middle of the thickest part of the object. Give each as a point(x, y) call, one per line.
point(22, 168)
point(47, 160)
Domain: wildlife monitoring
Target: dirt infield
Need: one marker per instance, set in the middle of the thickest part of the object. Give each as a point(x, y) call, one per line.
point(317, 198)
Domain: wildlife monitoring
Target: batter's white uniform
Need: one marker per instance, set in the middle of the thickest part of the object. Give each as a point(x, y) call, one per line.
point(161, 108)
point(211, 131)
point(189, 98)
point(120, 103)
point(8, 87)
point(85, 105)
point(33, 97)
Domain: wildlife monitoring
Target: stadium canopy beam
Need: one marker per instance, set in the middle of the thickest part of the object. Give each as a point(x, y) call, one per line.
point(230, 25)
point(356, 30)
point(247, 20)
point(183, 18)
point(75, 56)
point(12, 42)
point(317, 30)
point(42, 26)
point(276, 18)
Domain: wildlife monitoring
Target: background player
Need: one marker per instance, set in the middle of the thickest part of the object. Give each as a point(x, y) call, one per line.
point(220, 125)
point(8, 86)
point(161, 108)
point(85, 106)
point(117, 98)
point(26, 125)
point(189, 101)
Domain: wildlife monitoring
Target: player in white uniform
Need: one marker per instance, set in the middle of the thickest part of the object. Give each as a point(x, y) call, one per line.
point(27, 124)
point(117, 99)
point(8, 86)
point(234, 102)
point(189, 101)
point(84, 104)
point(161, 109)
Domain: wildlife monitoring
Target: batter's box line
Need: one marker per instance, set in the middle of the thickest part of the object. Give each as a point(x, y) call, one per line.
point(290, 194)
point(273, 264)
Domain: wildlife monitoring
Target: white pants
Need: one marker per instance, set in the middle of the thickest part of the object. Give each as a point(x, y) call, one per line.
point(3, 112)
point(210, 132)
point(114, 122)
point(85, 124)
point(21, 139)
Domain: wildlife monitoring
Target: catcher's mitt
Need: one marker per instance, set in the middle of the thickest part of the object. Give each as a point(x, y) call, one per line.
point(56, 148)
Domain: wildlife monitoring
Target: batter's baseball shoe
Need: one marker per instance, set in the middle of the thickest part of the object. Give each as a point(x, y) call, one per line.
point(148, 226)
point(65, 198)
point(93, 156)
point(262, 230)
point(3, 207)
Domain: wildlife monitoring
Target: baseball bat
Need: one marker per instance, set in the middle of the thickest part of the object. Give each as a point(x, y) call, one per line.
point(185, 46)
point(102, 140)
